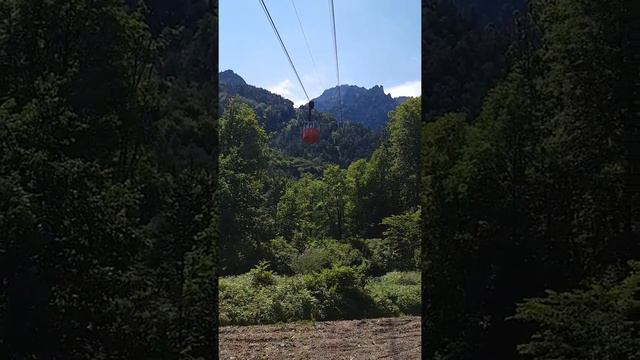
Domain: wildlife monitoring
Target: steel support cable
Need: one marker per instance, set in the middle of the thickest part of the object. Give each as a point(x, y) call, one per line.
point(306, 42)
point(275, 29)
point(335, 48)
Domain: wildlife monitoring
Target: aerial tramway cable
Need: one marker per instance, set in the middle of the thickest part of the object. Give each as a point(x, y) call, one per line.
point(306, 42)
point(310, 130)
point(335, 48)
point(273, 26)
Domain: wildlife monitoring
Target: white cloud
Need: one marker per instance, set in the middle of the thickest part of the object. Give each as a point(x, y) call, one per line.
point(299, 102)
point(283, 88)
point(410, 88)
point(315, 83)
point(287, 89)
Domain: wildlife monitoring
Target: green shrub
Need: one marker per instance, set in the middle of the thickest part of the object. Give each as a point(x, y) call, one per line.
point(340, 293)
point(311, 260)
point(294, 301)
point(399, 249)
point(323, 255)
point(396, 293)
point(402, 278)
point(381, 255)
point(281, 255)
point(235, 295)
point(599, 322)
point(261, 275)
point(328, 294)
point(242, 302)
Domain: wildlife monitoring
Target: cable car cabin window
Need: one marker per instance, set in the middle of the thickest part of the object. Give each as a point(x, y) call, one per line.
point(310, 135)
point(310, 129)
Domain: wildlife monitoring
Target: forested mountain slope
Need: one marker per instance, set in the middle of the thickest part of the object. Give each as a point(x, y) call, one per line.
point(273, 111)
point(339, 143)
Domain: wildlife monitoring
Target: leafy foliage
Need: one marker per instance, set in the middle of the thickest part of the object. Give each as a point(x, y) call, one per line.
point(325, 254)
point(307, 210)
point(108, 158)
point(526, 191)
point(403, 240)
point(601, 321)
point(465, 58)
point(329, 294)
point(396, 293)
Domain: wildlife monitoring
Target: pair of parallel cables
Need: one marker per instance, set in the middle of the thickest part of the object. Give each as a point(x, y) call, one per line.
point(284, 48)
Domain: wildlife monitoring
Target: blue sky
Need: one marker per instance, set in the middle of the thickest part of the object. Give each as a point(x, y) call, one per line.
point(378, 44)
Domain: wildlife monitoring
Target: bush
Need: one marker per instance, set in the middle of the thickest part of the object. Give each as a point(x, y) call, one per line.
point(600, 322)
point(261, 275)
point(396, 293)
point(380, 256)
point(402, 241)
point(281, 255)
point(323, 255)
point(340, 293)
point(311, 260)
point(241, 302)
point(329, 294)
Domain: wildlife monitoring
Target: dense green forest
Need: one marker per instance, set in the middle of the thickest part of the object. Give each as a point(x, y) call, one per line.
point(108, 165)
point(530, 223)
point(324, 231)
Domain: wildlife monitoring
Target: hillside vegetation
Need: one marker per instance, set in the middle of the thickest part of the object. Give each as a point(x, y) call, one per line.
point(309, 231)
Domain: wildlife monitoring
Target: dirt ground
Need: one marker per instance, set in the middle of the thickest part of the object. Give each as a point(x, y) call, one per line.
point(385, 338)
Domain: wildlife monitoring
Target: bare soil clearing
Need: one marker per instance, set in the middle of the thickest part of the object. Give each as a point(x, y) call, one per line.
point(384, 338)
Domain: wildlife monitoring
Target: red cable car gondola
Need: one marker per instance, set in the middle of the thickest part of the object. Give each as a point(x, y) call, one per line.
point(310, 130)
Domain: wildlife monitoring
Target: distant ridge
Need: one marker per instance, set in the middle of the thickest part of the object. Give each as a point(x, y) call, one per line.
point(228, 77)
point(369, 107)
